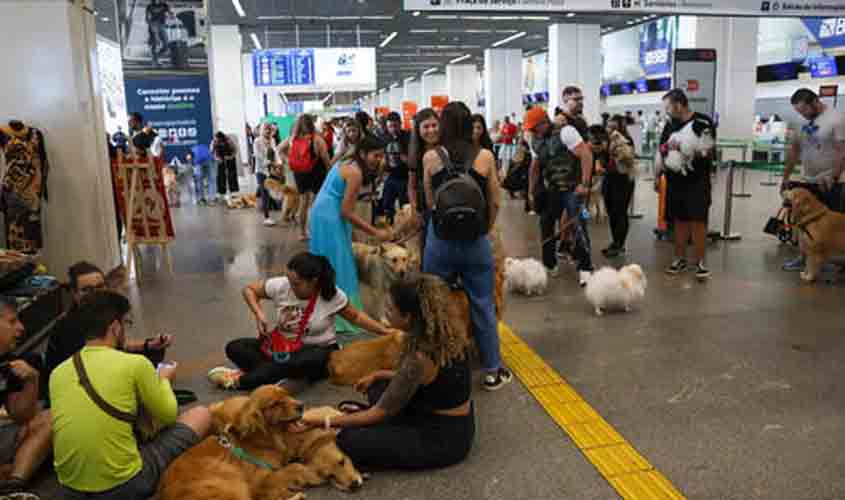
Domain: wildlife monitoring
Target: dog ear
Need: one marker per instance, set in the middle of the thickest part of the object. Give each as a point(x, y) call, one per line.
point(250, 419)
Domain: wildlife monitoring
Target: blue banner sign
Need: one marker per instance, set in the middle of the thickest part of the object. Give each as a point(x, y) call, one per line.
point(283, 67)
point(179, 108)
point(822, 66)
point(829, 31)
point(657, 40)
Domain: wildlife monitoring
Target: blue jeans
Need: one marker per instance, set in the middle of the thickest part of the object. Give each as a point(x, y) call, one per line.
point(557, 203)
point(205, 172)
point(472, 262)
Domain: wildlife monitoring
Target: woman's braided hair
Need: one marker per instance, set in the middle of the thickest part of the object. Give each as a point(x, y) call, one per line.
point(437, 332)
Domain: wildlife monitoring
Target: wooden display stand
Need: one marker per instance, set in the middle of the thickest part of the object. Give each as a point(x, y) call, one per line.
point(132, 170)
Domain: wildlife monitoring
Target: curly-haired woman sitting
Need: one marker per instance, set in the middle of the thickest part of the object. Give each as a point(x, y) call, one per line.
point(421, 415)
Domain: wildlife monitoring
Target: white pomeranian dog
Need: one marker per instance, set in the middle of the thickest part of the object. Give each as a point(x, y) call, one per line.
point(696, 138)
point(609, 289)
point(525, 276)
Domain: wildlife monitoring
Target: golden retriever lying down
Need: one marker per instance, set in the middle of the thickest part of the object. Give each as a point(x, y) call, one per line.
point(314, 449)
point(214, 469)
point(821, 231)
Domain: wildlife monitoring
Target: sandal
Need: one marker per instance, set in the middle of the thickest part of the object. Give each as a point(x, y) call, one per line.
point(349, 407)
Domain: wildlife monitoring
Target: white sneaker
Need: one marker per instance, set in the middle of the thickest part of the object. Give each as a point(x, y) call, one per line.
point(269, 222)
point(584, 277)
point(554, 272)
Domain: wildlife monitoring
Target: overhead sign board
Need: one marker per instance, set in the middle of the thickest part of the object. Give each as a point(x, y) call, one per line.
point(788, 8)
point(829, 32)
point(315, 70)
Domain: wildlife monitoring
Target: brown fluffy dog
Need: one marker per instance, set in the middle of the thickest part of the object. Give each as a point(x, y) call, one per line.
point(212, 470)
point(321, 459)
point(821, 231)
point(282, 192)
point(379, 267)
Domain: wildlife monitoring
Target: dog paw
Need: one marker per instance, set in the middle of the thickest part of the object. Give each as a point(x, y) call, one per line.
point(807, 277)
point(599, 312)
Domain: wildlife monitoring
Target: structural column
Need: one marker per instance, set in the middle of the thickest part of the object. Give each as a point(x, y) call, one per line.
point(502, 83)
point(412, 93)
point(575, 59)
point(735, 41)
point(226, 83)
point(433, 84)
point(55, 86)
point(462, 84)
point(396, 94)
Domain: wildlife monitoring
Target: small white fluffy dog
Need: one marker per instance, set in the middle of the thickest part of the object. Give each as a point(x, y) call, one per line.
point(609, 289)
point(525, 276)
point(695, 138)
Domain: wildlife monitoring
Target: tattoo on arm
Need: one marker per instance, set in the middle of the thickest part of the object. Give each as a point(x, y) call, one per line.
point(403, 386)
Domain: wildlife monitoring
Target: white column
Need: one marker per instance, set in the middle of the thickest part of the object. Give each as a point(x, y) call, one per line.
point(462, 84)
point(396, 94)
point(735, 41)
point(433, 84)
point(253, 98)
point(55, 86)
point(227, 91)
point(384, 99)
point(575, 59)
point(412, 93)
point(502, 83)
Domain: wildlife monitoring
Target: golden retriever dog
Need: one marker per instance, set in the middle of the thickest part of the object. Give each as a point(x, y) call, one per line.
point(171, 186)
point(237, 201)
point(285, 194)
point(821, 231)
point(247, 460)
point(314, 449)
point(379, 267)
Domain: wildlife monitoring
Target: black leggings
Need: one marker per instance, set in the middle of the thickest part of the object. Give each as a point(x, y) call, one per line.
point(227, 175)
point(617, 191)
point(309, 363)
point(410, 440)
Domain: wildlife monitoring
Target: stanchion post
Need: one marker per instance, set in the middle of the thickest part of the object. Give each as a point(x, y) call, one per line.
point(632, 207)
point(726, 224)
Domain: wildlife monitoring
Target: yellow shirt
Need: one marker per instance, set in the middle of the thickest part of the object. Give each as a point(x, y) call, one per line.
point(93, 451)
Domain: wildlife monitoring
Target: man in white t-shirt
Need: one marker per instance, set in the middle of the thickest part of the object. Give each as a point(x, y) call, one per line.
point(820, 149)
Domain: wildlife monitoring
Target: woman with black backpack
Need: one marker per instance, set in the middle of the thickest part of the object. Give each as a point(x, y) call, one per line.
point(462, 192)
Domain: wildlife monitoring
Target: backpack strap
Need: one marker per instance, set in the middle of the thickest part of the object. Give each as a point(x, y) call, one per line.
point(444, 158)
point(104, 405)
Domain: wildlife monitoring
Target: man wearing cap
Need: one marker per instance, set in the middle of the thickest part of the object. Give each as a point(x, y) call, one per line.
point(558, 183)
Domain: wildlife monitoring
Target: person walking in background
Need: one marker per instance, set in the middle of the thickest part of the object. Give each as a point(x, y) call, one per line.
point(616, 154)
point(352, 135)
point(225, 154)
point(507, 136)
point(205, 175)
point(396, 156)
point(688, 187)
point(120, 140)
point(264, 152)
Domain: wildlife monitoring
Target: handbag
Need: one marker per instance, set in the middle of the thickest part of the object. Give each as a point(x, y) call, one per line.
point(277, 347)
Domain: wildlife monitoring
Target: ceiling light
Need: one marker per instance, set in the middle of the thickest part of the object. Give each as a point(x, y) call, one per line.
point(104, 19)
point(509, 39)
point(571, 14)
point(377, 18)
point(478, 18)
point(328, 97)
point(344, 18)
point(478, 31)
point(410, 79)
point(238, 8)
point(388, 39)
point(535, 18)
point(255, 41)
point(459, 59)
point(422, 31)
point(416, 13)
point(442, 17)
point(394, 85)
point(429, 71)
point(382, 91)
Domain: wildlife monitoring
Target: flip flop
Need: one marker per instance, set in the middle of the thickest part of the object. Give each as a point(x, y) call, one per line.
point(349, 407)
point(185, 397)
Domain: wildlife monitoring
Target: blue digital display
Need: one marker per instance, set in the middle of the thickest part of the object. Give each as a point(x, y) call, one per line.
point(642, 86)
point(822, 66)
point(625, 88)
point(605, 90)
point(283, 67)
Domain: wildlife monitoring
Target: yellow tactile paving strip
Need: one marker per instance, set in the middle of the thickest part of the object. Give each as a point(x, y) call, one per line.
point(628, 472)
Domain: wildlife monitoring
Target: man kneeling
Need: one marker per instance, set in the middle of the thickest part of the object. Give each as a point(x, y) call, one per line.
point(25, 441)
point(96, 453)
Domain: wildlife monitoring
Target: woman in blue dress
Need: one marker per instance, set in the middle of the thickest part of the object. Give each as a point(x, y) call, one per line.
point(333, 216)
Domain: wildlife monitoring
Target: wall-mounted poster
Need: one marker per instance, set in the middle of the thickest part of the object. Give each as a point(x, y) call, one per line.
point(111, 82)
point(535, 74)
point(657, 42)
point(163, 35)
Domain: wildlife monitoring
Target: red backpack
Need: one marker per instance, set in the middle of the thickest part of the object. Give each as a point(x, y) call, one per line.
point(302, 158)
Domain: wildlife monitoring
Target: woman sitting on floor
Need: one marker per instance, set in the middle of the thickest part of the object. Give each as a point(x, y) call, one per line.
point(422, 415)
point(307, 302)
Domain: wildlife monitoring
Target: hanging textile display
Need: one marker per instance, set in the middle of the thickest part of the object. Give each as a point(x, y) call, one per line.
point(24, 185)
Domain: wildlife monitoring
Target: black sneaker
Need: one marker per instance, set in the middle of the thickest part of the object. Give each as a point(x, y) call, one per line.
point(494, 382)
point(607, 250)
point(614, 252)
point(701, 272)
point(677, 267)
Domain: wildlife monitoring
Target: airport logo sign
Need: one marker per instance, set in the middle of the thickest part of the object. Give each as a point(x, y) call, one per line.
point(829, 32)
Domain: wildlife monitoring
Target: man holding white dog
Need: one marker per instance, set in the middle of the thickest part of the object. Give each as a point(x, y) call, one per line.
point(688, 188)
point(820, 150)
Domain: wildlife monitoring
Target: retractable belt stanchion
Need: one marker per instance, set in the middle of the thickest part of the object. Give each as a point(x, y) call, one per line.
point(726, 227)
point(632, 207)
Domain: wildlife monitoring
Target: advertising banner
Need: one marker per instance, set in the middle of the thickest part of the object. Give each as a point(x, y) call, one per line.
point(788, 8)
point(163, 35)
point(438, 102)
point(315, 70)
point(409, 109)
point(179, 108)
point(829, 32)
point(535, 74)
point(657, 42)
point(111, 82)
point(154, 212)
point(695, 73)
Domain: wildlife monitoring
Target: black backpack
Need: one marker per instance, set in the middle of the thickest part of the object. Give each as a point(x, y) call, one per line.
point(460, 206)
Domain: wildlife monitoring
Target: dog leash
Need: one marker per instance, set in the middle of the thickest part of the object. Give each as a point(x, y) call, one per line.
point(242, 454)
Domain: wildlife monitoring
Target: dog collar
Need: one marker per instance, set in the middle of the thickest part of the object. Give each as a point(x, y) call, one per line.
point(244, 455)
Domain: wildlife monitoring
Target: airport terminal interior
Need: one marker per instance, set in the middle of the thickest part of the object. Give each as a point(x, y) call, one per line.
point(418, 249)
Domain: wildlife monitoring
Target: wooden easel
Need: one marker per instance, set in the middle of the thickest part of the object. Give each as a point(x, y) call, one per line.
point(130, 173)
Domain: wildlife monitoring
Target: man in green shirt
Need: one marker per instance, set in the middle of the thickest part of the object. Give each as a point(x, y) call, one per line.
point(96, 455)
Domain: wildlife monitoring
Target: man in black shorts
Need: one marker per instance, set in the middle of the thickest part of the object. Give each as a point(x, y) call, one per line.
point(688, 183)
